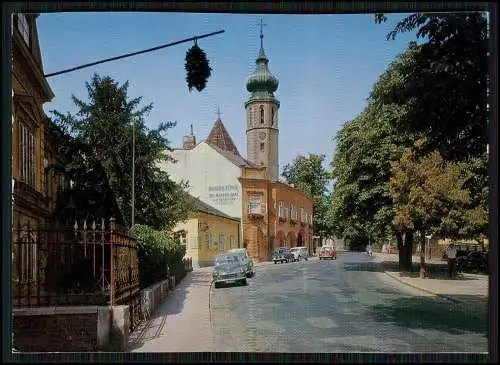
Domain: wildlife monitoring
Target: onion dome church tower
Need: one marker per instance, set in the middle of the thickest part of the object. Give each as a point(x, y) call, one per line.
point(262, 116)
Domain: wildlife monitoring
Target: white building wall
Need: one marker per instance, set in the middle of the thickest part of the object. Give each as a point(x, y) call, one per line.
point(212, 178)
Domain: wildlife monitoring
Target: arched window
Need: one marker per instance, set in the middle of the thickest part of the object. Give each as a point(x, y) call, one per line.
point(272, 116)
point(261, 114)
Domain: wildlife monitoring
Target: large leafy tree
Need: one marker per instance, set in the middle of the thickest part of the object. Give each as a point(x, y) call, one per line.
point(430, 196)
point(361, 165)
point(435, 90)
point(445, 95)
point(104, 127)
point(309, 176)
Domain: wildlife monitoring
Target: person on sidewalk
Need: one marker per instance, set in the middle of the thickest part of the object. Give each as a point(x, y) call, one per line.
point(384, 248)
point(369, 249)
point(451, 254)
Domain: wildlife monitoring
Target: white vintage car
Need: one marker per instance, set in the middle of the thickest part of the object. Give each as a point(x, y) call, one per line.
point(300, 253)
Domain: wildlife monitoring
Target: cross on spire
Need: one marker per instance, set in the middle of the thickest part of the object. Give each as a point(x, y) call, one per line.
point(218, 113)
point(191, 129)
point(262, 25)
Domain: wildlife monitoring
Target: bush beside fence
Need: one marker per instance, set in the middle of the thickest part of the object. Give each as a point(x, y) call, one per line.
point(160, 255)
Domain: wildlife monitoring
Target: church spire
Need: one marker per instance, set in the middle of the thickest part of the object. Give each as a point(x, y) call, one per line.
point(261, 34)
point(262, 82)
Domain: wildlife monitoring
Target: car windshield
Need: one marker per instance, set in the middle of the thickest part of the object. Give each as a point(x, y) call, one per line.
point(226, 259)
point(295, 249)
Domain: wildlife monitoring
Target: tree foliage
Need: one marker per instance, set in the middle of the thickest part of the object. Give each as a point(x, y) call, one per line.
point(434, 92)
point(309, 176)
point(426, 192)
point(160, 254)
point(102, 131)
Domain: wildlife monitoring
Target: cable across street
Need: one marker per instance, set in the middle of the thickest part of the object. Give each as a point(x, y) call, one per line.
point(134, 53)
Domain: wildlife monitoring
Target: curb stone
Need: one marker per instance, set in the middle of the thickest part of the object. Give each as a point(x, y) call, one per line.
point(442, 296)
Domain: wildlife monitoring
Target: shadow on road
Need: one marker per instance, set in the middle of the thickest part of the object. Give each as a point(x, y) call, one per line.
point(434, 271)
point(172, 304)
point(371, 266)
point(420, 312)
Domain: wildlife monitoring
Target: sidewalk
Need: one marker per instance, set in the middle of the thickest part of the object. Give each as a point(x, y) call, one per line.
point(181, 323)
point(466, 288)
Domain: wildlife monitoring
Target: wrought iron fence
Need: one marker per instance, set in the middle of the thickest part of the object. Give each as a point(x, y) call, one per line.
point(82, 265)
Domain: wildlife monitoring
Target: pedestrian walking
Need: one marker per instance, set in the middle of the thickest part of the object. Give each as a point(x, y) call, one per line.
point(369, 249)
point(384, 248)
point(451, 254)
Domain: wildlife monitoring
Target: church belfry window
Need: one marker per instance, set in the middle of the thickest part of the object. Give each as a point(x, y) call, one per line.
point(261, 114)
point(262, 146)
point(23, 27)
point(272, 116)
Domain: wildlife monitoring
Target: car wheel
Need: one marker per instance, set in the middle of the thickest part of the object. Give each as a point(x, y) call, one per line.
point(243, 282)
point(216, 285)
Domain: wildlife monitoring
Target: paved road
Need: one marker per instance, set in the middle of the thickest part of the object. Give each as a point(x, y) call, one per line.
point(339, 306)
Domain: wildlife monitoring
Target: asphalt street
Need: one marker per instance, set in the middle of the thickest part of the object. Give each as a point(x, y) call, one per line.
point(343, 305)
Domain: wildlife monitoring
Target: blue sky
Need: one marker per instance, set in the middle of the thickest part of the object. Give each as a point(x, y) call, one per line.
point(326, 66)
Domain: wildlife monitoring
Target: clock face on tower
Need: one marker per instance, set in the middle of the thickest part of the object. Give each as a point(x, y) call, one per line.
point(262, 136)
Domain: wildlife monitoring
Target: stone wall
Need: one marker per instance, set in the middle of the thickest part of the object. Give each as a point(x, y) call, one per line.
point(71, 329)
point(152, 297)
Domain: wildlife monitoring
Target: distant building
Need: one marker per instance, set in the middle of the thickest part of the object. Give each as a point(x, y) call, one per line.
point(207, 232)
point(272, 213)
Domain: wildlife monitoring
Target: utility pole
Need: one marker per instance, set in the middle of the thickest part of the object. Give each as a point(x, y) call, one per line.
point(133, 174)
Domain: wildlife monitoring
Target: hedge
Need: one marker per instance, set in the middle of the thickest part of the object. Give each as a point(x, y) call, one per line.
point(160, 255)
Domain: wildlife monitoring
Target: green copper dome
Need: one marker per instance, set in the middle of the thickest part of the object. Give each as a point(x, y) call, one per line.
point(262, 81)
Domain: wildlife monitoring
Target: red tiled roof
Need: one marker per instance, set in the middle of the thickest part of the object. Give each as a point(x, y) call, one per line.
point(219, 137)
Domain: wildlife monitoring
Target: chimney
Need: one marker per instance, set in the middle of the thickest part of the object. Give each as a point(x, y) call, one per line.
point(189, 141)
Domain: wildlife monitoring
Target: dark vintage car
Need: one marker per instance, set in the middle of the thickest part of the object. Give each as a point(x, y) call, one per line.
point(283, 254)
point(473, 262)
point(229, 269)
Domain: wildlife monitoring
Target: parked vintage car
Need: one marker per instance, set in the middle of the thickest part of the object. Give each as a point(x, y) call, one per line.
point(229, 268)
point(247, 261)
point(299, 253)
point(327, 253)
point(283, 254)
point(474, 262)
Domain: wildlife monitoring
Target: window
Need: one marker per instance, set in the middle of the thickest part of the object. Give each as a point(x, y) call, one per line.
point(272, 116)
point(293, 213)
point(184, 239)
point(45, 175)
point(281, 209)
point(254, 204)
point(221, 242)
point(302, 215)
point(261, 115)
point(262, 146)
point(27, 160)
point(231, 242)
point(208, 239)
point(23, 27)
